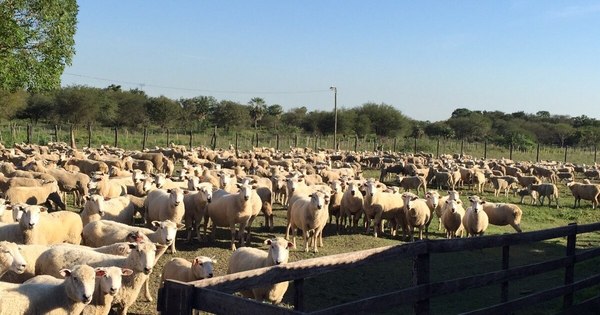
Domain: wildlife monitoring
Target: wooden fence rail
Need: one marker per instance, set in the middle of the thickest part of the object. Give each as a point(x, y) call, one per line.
point(214, 294)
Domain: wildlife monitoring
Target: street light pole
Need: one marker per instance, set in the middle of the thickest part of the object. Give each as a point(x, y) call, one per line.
point(334, 89)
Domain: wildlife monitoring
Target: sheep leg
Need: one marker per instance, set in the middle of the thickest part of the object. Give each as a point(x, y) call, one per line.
point(147, 291)
point(305, 237)
point(287, 231)
point(248, 237)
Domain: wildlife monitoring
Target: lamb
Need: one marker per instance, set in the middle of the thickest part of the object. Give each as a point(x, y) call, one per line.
point(156, 158)
point(40, 227)
point(142, 165)
point(75, 182)
point(475, 220)
point(586, 192)
point(248, 258)
point(417, 214)
point(309, 215)
point(440, 204)
point(453, 217)
point(525, 181)
point(96, 207)
point(195, 208)
point(412, 182)
point(351, 206)
point(11, 258)
point(140, 260)
point(36, 195)
point(163, 205)
point(185, 271)
point(479, 180)
point(500, 184)
point(546, 190)
point(383, 206)
point(335, 202)
point(534, 195)
point(230, 209)
point(106, 187)
point(105, 232)
point(503, 214)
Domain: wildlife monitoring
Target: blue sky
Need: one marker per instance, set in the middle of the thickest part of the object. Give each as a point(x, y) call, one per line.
point(426, 58)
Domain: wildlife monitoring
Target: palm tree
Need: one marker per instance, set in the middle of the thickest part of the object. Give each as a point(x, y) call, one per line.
point(258, 108)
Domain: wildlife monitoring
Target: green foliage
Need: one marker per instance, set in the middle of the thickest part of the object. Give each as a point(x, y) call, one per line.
point(36, 42)
point(11, 103)
point(229, 114)
point(163, 111)
point(386, 120)
point(257, 110)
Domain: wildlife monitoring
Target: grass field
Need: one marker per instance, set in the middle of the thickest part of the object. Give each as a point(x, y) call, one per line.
point(339, 287)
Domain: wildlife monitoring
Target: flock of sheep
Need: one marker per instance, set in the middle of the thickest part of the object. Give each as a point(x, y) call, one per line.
point(55, 261)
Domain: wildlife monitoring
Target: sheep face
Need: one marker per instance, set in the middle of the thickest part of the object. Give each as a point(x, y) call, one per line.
point(111, 281)
point(175, 196)
point(31, 217)
point(336, 186)
point(453, 205)
point(142, 257)
point(433, 197)
point(453, 195)
point(279, 250)
point(372, 188)
point(202, 267)
point(206, 194)
point(225, 179)
point(10, 255)
point(193, 183)
point(137, 176)
point(159, 180)
point(319, 200)
point(95, 203)
point(167, 230)
point(353, 187)
point(80, 282)
point(476, 203)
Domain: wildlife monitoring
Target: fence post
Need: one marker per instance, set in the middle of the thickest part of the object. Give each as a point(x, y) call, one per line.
point(421, 276)
point(168, 137)
point(570, 268)
point(504, 285)
point(415, 148)
point(462, 146)
point(257, 139)
point(375, 145)
point(28, 133)
point(510, 150)
point(595, 151)
point(485, 149)
point(276, 142)
point(89, 135)
point(214, 139)
point(537, 153)
point(56, 133)
point(356, 143)
point(437, 148)
point(144, 138)
point(296, 141)
point(72, 135)
point(299, 295)
point(116, 137)
point(191, 139)
point(566, 149)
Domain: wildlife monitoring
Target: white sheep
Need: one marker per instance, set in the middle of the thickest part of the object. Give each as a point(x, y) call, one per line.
point(475, 220)
point(381, 205)
point(106, 187)
point(11, 232)
point(40, 227)
point(106, 232)
point(185, 271)
point(105, 289)
point(351, 206)
point(195, 203)
point(11, 258)
point(248, 258)
point(589, 192)
point(453, 217)
point(503, 214)
point(310, 215)
point(44, 194)
point(96, 207)
point(140, 260)
point(229, 209)
point(52, 296)
point(417, 214)
point(163, 205)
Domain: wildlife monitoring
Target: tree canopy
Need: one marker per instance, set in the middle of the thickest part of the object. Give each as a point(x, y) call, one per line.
point(36, 42)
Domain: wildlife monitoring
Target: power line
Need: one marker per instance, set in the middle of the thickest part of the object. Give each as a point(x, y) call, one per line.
point(192, 89)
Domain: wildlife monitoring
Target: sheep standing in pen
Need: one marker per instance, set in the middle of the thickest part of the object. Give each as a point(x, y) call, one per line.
point(310, 215)
point(589, 192)
point(248, 258)
point(163, 205)
point(44, 194)
point(533, 195)
point(475, 220)
point(503, 214)
point(453, 217)
point(96, 207)
point(195, 203)
point(335, 202)
point(40, 227)
point(11, 258)
point(383, 206)
point(412, 182)
point(546, 190)
point(105, 289)
point(185, 271)
point(52, 296)
point(351, 206)
point(105, 232)
point(417, 214)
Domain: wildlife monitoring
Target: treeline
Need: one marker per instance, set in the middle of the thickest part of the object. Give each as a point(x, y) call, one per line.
point(114, 107)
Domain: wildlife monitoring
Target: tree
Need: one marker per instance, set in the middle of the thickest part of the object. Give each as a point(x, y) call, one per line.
point(162, 110)
point(36, 42)
point(229, 114)
point(385, 120)
point(198, 108)
point(11, 103)
point(258, 108)
point(439, 129)
point(562, 132)
point(131, 110)
point(79, 104)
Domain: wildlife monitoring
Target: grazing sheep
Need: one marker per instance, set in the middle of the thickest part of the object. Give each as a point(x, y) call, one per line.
point(310, 215)
point(185, 271)
point(247, 258)
point(503, 214)
point(105, 289)
point(412, 182)
point(500, 184)
point(417, 214)
point(96, 207)
point(442, 179)
point(52, 296)
point(44, 194)
point(381, 205)
point(105, 232)
point(163, 205)
point(351, 206)
point(525, 181)
point(479, 181)
point(546, 190)
point(11, 258)
point(589, 192)
point(230, 209)
point(453, 218)
point(140, 260)
point(475, 220)
point(40, 227)
point(534, 195)
point(88, 166)
point(156, 159)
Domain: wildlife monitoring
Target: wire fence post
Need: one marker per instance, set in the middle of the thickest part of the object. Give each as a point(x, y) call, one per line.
point(72, 136)
point(116, 137)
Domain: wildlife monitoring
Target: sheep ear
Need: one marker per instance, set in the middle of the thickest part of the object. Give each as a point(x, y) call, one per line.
point(65, 272)
point(196, 261)
point(133, 245)
point(169, 191)
point(155, 223)
point(482, 202)
point(254, 186)
point(290, 245)
point(179, 225)
point(106, 198)
point(126, 271)
point(100, 272)
point(447, 202)
point(268, 241)
point(185, 192)
point(43, 209)
point(414, 198)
